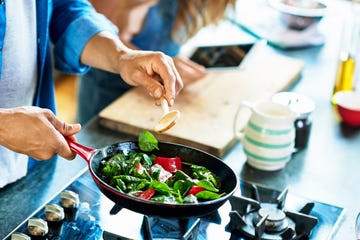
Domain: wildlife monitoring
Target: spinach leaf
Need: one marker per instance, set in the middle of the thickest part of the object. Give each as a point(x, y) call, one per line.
point(207, 195)
point(143, 158)
point(202, 173)
point(120, 185)
point(131, 183)
point(114, 166)
point(207, 185)
point(181, 175)
point(147, 141)
point(161, 187)
point(182, 186)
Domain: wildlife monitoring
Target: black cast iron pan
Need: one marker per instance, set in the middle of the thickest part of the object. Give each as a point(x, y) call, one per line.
point(187, 154)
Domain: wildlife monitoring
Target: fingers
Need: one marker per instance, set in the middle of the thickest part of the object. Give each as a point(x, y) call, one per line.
point(64, 130)
point(173, 84)
point(67, 130)
point(189, 70)
point(154, 87)
point(168, 82)
point(153, 70)
point(185, 62)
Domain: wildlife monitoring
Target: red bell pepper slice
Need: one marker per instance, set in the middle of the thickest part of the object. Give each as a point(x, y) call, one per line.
point(140, 168)
point(147, 194)
point(195, 189)
point(164, 174)
point(170, 164)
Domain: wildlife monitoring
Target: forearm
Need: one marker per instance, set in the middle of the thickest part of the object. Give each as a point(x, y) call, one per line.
point(5, 117)
point(104, 51)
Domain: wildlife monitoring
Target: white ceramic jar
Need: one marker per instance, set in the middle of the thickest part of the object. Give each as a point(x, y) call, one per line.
point(269, 135)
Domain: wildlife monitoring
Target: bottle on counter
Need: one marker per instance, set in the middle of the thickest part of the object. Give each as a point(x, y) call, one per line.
point(304, 107)
point(37, 229)
point(348, 63)
point(70, 201)
point(54, 215)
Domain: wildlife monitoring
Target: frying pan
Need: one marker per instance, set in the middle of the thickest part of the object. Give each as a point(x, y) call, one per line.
point(227, 176)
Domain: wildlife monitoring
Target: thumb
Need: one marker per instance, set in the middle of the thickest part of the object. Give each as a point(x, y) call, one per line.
point(70, 129)
point(66, 129)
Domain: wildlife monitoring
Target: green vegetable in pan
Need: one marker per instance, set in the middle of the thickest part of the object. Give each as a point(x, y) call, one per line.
point(159, 178)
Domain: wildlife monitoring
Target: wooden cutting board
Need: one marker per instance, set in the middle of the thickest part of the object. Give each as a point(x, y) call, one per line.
point(208, 106)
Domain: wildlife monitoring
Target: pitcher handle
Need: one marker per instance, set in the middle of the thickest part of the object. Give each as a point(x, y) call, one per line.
point(239, 134)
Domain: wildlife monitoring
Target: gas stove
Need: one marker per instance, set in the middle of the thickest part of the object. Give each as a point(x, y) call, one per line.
point(269, 220)
point(254, 212)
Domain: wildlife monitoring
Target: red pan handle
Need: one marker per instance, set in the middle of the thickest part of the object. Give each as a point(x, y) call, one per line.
point(84, 151)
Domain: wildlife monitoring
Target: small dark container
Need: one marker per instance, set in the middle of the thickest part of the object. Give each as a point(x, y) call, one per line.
point(69, 200)
point(302, 132)
point(54, 215)
point(304, 107)
point(37, 229)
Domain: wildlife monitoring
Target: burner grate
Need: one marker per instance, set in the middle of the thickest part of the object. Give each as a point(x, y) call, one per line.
point(269, 220)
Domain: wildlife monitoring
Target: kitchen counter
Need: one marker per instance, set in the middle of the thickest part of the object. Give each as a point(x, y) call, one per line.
point(326, 171)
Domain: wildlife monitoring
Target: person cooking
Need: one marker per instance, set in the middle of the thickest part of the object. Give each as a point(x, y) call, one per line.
point(158, 25)
point(81, 38)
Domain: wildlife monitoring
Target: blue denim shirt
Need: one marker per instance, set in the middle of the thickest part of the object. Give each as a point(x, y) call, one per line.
point(156, 34)
point(69, 24)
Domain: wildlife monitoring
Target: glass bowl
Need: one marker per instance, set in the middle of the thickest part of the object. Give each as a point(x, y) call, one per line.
point(299, 15)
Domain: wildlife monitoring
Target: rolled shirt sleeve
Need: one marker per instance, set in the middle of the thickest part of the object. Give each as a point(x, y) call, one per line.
point(82, 22)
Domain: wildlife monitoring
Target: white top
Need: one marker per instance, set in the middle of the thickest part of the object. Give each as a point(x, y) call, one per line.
point(19, 76)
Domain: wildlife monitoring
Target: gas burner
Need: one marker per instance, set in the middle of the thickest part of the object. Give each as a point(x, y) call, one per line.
point(274, 219)
point(269, 220)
